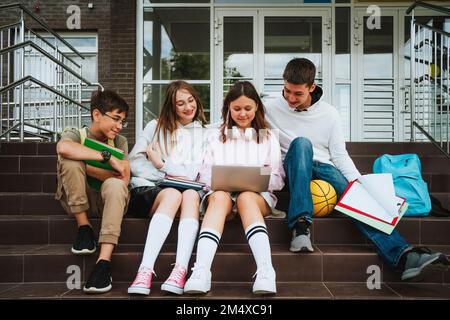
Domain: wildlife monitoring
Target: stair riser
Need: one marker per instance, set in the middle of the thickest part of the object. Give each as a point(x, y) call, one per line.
point(28, 164)
point(45, 203)
point(353, 148)
point(134, 231)
point(226, 267)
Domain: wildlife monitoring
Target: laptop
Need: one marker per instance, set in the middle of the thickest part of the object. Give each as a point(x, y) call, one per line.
point(240, 178)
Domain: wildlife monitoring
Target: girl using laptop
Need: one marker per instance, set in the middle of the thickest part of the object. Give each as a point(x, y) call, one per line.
point(171, 145)
point(243, 139)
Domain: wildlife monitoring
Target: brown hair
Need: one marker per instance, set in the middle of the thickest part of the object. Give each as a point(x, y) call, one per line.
point(300, 71)
point(106, 101)
point(167, 117)
point(243, 88)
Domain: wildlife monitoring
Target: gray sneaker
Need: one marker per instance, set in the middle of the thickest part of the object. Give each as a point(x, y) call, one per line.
point(301, 237)
point(421, 260)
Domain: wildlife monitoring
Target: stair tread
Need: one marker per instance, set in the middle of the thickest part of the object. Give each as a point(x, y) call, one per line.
point(334, 216)
point(223, 249)
point(237, 291)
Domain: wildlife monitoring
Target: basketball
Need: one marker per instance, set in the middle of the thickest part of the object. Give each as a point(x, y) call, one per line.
point(324, 198)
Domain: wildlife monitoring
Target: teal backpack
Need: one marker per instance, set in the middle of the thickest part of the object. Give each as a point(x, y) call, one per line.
point(408, 182)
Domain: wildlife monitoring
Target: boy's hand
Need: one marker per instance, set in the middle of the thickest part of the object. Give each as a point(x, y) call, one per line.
point(119, 166)
point(154, 155)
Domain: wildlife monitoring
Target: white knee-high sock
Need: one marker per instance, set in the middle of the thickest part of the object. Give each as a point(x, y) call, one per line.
point(157, 233)
point(187, 234)
point(258, 239)
point(208, 240)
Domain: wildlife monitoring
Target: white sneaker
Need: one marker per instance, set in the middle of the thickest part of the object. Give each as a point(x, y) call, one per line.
point(200, 280)
point(265, 280)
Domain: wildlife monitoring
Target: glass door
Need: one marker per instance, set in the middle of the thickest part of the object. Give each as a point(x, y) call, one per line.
point(376, 47)
point(256, 45)
point(234, 44)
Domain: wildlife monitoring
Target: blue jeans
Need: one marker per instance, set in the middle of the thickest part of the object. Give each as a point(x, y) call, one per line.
point(301, 169)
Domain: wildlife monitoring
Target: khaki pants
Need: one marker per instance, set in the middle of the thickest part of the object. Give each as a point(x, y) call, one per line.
point(76, 196)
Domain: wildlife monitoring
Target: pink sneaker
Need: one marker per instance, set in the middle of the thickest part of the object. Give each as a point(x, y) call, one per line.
point(175, 282)
point(143, 281)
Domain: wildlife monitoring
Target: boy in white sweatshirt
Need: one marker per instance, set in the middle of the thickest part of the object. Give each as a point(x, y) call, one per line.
point(313, 147)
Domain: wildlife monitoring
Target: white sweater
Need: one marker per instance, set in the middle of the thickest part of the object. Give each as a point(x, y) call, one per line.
point(320, 123)
point(184, 160)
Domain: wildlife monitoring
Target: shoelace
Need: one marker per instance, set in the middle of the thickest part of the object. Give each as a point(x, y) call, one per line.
point(196, 270)
point(421, 250)
point(143, 275)
point(263, 272)
point(301, 227)
point(177, 273)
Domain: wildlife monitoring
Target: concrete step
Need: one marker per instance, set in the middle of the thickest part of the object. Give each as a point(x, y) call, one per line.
point(40, 203)
point(433, 164)
point(353, 148)
point(328, 263)
point(334, 229)
point(236, 291)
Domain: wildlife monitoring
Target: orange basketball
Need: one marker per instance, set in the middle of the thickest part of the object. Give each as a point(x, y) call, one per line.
point(324, 198)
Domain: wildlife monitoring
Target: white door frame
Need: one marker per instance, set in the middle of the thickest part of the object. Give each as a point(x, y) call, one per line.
point(358, 70)
point(258, 46)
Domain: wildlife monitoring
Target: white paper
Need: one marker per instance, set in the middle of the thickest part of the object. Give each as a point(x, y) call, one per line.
point(381, 187)
point(359, 198)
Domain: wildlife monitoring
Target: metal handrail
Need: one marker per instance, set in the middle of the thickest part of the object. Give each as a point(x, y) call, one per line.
point(43, 85)
point(428, 118)
point(54, 48)
point(36, 47)
point(42, 39)
point(433, 29)
point(427, 6)
point(42, 23)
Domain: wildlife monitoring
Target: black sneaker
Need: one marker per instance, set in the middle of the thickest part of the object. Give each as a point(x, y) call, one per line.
point(100, 280)
point(419, 261)
point(301, 237)
point(85, 243)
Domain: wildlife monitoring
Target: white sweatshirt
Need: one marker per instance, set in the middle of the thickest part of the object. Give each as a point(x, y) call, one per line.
point(185, 159)
point(320, 123)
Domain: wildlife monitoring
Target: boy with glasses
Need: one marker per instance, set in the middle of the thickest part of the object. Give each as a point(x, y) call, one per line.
point(108, 114)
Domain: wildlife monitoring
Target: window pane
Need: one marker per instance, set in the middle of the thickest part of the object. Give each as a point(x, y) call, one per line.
point(378, 49)
point(342, 58)
point(288, 37)
point(154, 96)
point(82, 44)
point(89, 66)
point(342, 103)
point(284, 39)
point(176, 44)
point(148, 2)
point(238, 51)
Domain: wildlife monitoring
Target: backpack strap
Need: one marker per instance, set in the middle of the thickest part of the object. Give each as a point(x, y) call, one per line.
point(437, 209)
point(83, 134)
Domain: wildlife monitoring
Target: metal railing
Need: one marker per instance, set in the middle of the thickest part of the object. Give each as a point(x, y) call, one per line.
point(40, 86)
point(430, 80)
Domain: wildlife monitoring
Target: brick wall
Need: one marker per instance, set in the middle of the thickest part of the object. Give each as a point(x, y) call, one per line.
point(115, 23)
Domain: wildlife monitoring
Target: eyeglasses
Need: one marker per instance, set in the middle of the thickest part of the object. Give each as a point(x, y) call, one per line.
point(117, 120)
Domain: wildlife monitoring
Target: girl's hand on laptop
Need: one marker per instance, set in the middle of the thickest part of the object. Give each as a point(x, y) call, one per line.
point(154, 155)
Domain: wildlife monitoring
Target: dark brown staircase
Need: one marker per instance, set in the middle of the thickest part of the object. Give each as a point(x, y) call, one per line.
point(36, 236)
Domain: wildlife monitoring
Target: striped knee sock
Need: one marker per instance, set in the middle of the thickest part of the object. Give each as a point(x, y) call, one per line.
point(208, 240)
point(187, 234)
point(258, 239)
